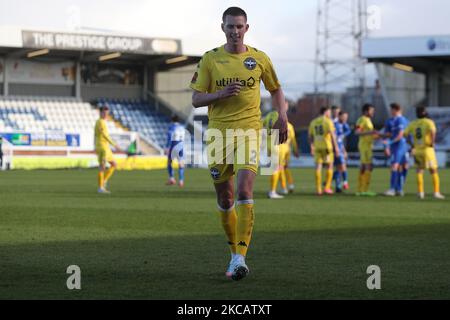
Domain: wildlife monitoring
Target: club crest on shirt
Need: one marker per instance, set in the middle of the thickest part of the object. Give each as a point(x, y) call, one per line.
point(215, 173)
point(250, 63)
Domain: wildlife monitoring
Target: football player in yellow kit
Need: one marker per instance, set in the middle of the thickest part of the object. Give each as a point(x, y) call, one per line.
point(283, 151)
point(423, 134)
point(228, 80)
point(322, 139)
point(103, 150)
point(367, 135)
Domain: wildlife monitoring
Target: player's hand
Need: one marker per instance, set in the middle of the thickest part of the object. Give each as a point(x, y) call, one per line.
point(312, 150)
point(166, 152)
point(281, 125)
point(296, 154)
point(337, 153)
point(413, 152)
point(387, 152)
point(345, 155)
point(231, 90)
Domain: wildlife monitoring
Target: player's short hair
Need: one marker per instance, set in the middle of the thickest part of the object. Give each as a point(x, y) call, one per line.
point(366, 107)
point(335, 108)
point(324, 109)
point(234, 12)
point(341, 113)
point(396, 106)
point(103, 108)
point(175, 118)
point(421, 112)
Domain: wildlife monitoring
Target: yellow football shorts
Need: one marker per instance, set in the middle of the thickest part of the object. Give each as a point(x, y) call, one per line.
point(366, 155)
point(230, 152)
point(425, 158)
point(284, 155)
point(104, 155)
point(325, 156)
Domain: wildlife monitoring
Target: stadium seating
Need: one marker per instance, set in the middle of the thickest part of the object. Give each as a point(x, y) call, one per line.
point(37, 114)
point(141, 117)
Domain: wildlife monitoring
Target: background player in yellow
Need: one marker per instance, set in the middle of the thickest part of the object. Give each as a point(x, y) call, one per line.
point(322, 139)
point(422, 134)
point(367, 134)
point(103, 150)
point(228, 81)
point(286, 178)
point(283, 152)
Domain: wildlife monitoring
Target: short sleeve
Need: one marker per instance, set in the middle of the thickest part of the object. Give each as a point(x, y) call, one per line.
point(408, 130)
point(387, 126)
point(269, 76)
point(311, 129)
point(359, 123)
point(432, 127)
point(331, 126)
point(202, 78)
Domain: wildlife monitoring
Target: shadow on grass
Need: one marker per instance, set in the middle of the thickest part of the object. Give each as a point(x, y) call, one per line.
point(325, 264)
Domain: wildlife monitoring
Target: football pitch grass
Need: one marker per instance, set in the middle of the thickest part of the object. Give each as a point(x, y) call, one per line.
point(150, 241)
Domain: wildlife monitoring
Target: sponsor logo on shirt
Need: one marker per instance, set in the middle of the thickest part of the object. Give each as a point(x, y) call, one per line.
point(250, 82)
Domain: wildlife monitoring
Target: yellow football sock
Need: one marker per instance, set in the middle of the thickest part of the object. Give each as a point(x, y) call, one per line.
point(109, 173)
point(329, 179)
point(368, 177)
point(319, 181)
point(361, 178)
point(229, 223)
point(290, 179)
point(101, 179)
point(436, 183)
point(274, 181)
point(283, 179)
point(420, 184)
point(244, 228)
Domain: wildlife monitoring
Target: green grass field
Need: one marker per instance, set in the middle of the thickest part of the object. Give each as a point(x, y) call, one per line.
point(149, 241)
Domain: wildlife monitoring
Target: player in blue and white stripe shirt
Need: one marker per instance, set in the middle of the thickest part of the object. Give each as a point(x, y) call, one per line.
point(397, 150)
point(342, 131)
point(175, 150)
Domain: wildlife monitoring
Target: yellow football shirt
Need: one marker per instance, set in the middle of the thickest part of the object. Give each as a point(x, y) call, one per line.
point(291, 140)
point(421, 131)
point(218, 68)
point(102, 138)
point(366, 125)
point(321, 130)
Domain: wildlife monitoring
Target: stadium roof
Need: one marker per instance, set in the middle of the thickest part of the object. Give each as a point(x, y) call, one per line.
point(420, 53)
point(93, 47)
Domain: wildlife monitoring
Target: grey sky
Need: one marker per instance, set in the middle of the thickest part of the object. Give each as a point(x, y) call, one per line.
point(284, 29)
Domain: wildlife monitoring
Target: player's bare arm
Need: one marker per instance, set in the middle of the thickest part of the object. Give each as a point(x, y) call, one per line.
point(335, 144)
point(201, 99)
point(279, 103)
point(311, 143)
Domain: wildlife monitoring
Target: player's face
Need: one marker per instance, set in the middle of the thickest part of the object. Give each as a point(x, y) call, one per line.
point(104, 114)
point(336, 112)
point(343, 118)
point(327, 113)
point(371, 112)
point(235, 29)
point(395, 113)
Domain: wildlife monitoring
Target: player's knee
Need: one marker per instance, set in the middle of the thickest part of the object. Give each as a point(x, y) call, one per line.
point(245, 195)
point(225, 203)
point(114, 164)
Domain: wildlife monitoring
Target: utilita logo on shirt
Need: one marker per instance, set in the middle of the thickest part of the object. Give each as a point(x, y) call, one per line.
point(250, 82)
